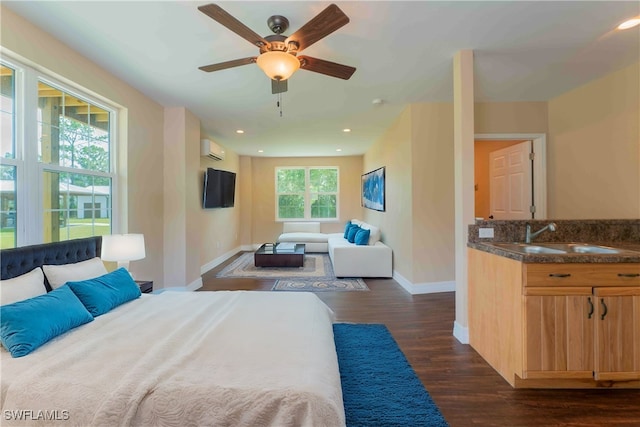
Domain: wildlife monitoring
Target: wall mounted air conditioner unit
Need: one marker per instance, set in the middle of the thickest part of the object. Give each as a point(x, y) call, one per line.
point(210, 149)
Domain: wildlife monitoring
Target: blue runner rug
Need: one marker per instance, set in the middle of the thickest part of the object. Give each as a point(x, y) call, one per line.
point(379, 387)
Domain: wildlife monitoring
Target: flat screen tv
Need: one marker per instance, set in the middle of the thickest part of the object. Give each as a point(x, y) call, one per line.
point(219, 189)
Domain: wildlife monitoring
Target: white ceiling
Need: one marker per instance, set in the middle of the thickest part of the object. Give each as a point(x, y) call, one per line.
point(403, 52)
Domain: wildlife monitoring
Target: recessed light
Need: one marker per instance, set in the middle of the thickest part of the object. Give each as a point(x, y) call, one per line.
point(260, 151)
point(338, 149)
point(239, 131)
point(629, 24)
point(346, 130)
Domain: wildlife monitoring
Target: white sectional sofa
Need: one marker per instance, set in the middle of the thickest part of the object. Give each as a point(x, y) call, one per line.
point(307, 233)
point(348, 259)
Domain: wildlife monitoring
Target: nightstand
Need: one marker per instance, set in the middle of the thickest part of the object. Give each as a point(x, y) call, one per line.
point(146, 286)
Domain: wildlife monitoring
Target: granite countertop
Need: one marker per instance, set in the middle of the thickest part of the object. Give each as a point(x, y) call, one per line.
point(623, 234)
point(630, 253)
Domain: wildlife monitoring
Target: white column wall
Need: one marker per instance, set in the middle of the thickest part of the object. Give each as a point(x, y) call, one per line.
point(463, 121)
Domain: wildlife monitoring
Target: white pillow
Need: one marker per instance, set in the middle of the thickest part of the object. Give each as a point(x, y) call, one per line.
point(375, 232)
point(58, 275)
point(23, 287)
point(374, 235)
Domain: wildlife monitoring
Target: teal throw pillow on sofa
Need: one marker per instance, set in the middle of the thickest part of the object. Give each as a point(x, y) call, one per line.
point(362, 237)
point(105, 293)
point(28, 324)
point(346, 229)
point(351, 235)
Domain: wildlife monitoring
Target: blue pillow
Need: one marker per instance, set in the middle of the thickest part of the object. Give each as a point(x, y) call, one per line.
point(351, 235)
point(26, 325)
point(105, 293)
point(362, 237)
point(346, 229)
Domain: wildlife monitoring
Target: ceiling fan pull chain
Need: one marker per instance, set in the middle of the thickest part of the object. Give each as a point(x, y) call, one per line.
point(279, 103)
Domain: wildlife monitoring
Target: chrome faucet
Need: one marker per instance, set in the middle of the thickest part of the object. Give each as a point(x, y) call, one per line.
point(551, 227)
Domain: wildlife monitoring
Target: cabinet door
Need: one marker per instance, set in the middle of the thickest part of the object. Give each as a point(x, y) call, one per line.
point(617, 349)
point(559, 332)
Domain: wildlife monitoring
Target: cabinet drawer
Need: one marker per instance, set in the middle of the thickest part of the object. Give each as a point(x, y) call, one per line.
point(589, 274)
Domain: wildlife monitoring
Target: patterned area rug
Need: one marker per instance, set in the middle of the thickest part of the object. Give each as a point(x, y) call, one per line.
point(316, 275)
point(320, 285)
point(315, 266)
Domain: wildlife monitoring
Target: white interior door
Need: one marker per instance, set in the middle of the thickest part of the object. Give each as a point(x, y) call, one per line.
point(510, 172)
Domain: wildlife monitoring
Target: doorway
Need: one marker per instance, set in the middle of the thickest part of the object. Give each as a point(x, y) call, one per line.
point(512, 188)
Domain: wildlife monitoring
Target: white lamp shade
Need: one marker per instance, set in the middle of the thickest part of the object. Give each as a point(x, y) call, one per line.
point(123, 247)
point(278, 65)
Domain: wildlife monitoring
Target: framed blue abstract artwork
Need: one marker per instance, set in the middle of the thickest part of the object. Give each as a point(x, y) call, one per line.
point(373, 190)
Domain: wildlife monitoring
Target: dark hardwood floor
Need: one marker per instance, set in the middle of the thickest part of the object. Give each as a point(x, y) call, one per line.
point(465, 388)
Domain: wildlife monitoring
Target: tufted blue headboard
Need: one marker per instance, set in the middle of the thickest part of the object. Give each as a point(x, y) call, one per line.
point(17, 261)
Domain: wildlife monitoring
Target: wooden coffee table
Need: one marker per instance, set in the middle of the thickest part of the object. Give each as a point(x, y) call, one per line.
point(270, 256)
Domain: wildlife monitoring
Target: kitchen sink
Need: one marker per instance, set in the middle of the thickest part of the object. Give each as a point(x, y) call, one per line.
point(530, 249)
point(558, 248)
point(582, 248)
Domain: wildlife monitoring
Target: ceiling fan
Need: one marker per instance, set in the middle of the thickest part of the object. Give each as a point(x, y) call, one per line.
point(279, 53)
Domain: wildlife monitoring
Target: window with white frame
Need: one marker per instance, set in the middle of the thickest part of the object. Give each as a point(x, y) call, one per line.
point(57, 161)
point(8, 167)
point(307, 193)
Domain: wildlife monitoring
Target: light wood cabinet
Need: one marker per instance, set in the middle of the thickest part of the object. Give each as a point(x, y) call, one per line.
point(559, 335)
point(617, 343)
point(556, 325)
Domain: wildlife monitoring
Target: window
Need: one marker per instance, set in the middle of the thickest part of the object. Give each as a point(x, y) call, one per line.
point(61, 142)
point(307, 193)
point(73, 134)
point(8, 153)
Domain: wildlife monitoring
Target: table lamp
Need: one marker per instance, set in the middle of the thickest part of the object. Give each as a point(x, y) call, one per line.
point(123, 248)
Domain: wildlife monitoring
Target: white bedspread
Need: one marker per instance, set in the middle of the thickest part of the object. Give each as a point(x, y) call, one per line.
point(186, 358)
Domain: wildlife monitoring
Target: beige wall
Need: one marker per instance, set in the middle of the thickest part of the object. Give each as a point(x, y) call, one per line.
point(433, 248)
point(482, 148)
point(175, 224)
point(262, 199)
point(219, 229)
point(393, 151)
point(182, 222)
point(510, 117)
point(140, 139)
point(417, 151)
point(245, 193)
point(192, 197)
point(594, 149)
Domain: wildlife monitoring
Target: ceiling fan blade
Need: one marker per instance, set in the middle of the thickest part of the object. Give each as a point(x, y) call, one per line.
point(221, 16)
point(228, 64)
point(279, 86)
point(323, 24)
point(326, 67)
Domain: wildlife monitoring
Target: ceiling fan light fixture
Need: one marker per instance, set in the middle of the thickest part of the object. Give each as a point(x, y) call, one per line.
point(278, 65)
point(629, 23)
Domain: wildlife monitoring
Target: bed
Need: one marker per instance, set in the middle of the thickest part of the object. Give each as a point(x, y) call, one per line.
point(227, 358)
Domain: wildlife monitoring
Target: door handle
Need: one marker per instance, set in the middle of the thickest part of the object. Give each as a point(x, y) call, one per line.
point(604, 307)
point(590, 307)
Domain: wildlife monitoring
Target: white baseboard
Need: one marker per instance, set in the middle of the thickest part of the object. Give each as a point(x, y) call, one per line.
point(424, 288)
point(461, 333)
point(216, 262)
